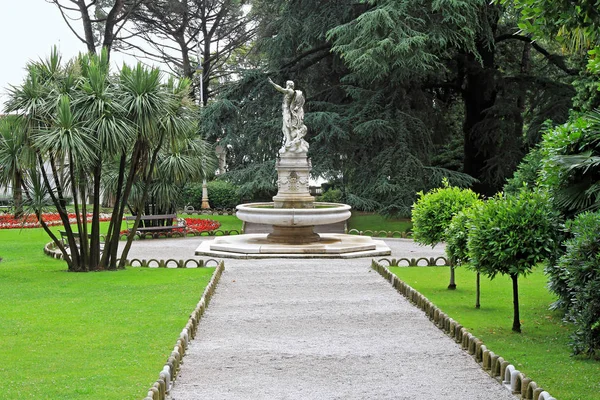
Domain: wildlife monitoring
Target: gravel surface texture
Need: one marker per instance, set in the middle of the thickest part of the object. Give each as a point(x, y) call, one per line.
point(319, 329)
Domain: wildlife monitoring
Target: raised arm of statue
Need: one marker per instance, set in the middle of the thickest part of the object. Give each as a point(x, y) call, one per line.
point(289, 89)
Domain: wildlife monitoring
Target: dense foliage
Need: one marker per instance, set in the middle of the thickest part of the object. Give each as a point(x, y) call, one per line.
point(579, 285)
point(510, 234)
point(456, 237)
point(221, 194)
point(396, 98)
point(570, 163)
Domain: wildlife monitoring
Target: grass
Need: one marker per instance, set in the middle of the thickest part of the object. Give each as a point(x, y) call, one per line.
point(362, 221)
point(97, 335)
point(541, 351)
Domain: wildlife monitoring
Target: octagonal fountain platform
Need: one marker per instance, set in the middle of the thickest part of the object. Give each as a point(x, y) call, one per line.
point(293, 235)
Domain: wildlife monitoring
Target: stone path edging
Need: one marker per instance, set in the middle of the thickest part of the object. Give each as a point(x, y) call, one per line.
point(498, 368)
point(167, 376)
point(53, 252)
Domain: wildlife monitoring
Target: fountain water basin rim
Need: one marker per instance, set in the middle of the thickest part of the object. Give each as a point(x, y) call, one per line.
point(265, 213)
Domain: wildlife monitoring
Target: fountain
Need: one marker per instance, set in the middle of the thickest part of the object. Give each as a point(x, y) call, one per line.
point(293, 214)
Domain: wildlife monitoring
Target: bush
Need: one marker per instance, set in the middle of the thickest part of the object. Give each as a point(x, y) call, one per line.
point(221, 194)
point(433, 211)
point(192, 196)
point(581, 267)
point(510, 234)
point(331, 196)
point(526, 174)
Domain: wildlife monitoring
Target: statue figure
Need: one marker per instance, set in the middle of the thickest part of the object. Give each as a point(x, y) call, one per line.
point(293, 119)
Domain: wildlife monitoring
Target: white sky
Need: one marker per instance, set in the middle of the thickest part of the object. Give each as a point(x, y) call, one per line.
point(28, 30)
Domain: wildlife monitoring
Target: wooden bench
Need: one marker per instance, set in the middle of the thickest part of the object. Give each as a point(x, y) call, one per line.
point(65, 240)
point(156, 225)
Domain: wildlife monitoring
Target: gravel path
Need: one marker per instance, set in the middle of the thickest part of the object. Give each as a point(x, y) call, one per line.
point(316, 329)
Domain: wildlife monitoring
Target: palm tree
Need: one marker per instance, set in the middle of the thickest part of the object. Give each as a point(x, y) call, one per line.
point(579, 162)
point(82, 122)
point(15, 158)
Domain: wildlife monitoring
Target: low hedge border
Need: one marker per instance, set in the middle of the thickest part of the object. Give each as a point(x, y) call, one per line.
point(167, 377)
point(498, 368)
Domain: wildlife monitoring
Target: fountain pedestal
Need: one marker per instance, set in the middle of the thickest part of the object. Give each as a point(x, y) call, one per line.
point(293, 170)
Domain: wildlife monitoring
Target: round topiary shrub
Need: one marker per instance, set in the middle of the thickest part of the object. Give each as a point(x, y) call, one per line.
point(510, 234)
point(433, 211)
point(457, 235)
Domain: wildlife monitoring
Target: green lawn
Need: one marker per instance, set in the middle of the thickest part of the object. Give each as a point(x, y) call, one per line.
point(97, 335)
point(541, 351)
point(362, 221)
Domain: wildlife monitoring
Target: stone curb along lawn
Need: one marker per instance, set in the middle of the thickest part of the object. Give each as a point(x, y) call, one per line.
point(53, 252)
point(500, 369)
point(161, 388)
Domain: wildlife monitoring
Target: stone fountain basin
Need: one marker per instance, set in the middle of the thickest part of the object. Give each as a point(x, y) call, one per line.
point(322, 214)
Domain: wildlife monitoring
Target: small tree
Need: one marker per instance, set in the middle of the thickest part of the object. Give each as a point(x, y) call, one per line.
point(433, 211)
point(457, 236)
point(510, 234)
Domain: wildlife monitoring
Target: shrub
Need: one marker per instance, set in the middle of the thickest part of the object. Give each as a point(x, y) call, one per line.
point(433, 211)
point(331, 196)
point(581, 267)
point(457, 236)
point(510, 234)
point(192, 195)
point(526, 174)
point(222, 194)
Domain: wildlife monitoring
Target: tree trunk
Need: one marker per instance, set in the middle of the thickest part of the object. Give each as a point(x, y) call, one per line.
point(17, 194)
point(516, 318)
point(95, 229)
point(452, 284)
point(477, 303)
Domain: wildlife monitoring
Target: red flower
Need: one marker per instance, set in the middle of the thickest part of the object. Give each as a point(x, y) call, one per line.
point(7, 221)
point(201, 225)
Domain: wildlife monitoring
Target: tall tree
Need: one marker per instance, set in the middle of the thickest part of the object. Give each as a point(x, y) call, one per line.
point(190, 35)
point(101, 20)
point(456, 49)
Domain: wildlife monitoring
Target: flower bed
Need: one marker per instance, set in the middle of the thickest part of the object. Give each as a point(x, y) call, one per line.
point(7, 221)
point(201, 225)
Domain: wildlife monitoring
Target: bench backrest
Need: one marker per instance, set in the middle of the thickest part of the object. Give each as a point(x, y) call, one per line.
point(151, 217)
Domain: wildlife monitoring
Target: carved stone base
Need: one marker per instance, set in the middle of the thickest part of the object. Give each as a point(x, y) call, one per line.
point(293, 170)
point(293, 235)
